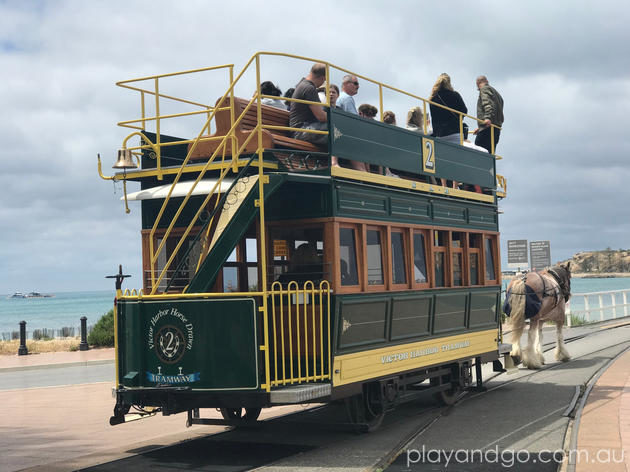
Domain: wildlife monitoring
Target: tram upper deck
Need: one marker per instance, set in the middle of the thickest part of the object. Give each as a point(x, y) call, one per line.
point(185, 179)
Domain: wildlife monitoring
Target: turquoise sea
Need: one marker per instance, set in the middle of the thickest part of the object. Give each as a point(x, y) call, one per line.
point(65, 309)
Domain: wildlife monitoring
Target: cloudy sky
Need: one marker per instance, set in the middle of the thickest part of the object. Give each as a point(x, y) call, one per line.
point(562, 67)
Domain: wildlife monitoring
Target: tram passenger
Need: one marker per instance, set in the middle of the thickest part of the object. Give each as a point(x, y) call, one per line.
point(367, 111)
point(288, 94)
point(414, 121)
point(333, 92)
point(313, 116)
point(446, 122)
point(269, 88)
point(489, 111)
point(389, 117)
point(349, 88)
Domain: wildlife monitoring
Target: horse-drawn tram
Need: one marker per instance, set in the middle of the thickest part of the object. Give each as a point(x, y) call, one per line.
point(271, 277)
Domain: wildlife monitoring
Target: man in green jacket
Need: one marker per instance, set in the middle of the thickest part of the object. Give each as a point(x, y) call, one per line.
point(489, 112)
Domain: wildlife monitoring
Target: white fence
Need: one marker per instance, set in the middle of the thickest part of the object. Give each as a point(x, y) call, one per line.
point(598, 306)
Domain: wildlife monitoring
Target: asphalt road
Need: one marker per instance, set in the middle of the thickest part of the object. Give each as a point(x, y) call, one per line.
point(519, 412)
point(53, 376)
point(525, 412)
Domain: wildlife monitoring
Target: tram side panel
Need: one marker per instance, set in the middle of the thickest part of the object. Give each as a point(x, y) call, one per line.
point(382, 335)
point(208, 345)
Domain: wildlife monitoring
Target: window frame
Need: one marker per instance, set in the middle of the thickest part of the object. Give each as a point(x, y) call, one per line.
point(384, 258)
point(358, 253)
point(428, 262)
point(494, 243)
point(406, 258)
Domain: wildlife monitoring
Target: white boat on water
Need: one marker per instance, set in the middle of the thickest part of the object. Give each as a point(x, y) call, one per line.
point(38, 295)
point(30, 295)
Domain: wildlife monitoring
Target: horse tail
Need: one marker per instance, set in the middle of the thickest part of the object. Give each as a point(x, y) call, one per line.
point(517, 302)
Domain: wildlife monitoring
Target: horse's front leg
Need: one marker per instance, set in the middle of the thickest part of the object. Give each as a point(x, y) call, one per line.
point(530, 357)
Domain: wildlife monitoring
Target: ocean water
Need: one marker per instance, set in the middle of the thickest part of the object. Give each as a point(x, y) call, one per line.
point(64, 309)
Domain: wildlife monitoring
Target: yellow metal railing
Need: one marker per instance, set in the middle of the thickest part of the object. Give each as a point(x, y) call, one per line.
point(300, 333)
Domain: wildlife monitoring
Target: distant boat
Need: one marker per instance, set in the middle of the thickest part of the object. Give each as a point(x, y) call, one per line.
point(30, 295)
point(38, 295)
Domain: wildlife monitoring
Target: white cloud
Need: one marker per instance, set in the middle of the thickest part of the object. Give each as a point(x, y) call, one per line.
point(562, 70)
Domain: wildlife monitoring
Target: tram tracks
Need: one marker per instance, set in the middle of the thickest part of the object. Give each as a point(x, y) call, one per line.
point(571, 411)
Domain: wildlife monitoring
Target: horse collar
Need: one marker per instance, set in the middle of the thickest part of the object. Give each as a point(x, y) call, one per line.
point(562, 283)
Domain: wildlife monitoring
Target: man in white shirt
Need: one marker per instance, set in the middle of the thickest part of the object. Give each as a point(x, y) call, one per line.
point(349, 88)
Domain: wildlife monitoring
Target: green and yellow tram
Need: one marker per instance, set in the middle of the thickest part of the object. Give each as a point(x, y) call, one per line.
point(272, 278)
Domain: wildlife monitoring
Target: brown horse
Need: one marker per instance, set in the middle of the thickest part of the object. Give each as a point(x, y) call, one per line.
point(540, 297)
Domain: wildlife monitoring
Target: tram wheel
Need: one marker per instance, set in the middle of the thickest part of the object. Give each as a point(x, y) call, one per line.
point(368, 408)
point(446, 397)
point(245, 414)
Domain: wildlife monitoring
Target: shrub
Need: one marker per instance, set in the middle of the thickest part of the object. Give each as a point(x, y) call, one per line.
point(103, 332)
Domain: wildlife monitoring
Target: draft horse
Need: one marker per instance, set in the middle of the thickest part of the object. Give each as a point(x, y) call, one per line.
point(539, 297)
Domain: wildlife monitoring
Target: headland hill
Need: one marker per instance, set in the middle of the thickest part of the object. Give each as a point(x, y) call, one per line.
point(598, 264)
point(606, 263)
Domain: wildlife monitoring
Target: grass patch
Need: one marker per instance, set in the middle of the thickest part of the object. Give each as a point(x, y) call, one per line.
point(578, 320)
point(39, 346)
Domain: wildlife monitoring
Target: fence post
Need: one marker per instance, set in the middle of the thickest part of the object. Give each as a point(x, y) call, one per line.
point(83, 346)
point(22, 350)
point(587, 308)
point(614, 304)
point(625, 303)
point(601, 307)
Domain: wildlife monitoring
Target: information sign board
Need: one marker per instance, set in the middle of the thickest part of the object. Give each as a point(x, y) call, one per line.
point(539, 254)
point(517, 253)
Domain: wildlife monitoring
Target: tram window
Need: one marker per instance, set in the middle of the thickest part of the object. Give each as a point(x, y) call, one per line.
point(399, 269)
point(439, 269)
point(348, 258)
point(374, 258)
point(298, 254)
point(474, 268)
point(252, 279)
point(457, 240)
point(251, 248)
point(183, 266)
point(232, 257)
point(230, 279)
point(440, 238)
point(419, 260)
point(474, 240)
point(490, 272)
point(457, 270)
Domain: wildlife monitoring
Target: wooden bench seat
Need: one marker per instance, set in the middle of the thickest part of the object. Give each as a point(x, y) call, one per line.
point(271, 138)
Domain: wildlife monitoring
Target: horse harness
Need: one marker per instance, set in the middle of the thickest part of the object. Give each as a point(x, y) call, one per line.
point(565, 287)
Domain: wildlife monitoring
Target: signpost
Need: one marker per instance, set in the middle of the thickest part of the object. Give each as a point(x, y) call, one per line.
point(517, 253)
point(539, 254)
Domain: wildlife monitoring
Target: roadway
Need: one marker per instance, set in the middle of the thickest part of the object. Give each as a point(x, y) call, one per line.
point(65, 428)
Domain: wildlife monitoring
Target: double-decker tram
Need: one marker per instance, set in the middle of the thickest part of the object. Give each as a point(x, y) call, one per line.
point(272, 278)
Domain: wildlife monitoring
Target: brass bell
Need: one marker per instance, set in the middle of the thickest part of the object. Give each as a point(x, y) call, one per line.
point(125, 160)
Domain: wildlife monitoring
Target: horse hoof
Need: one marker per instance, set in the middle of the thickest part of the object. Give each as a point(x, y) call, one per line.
point(517, 359)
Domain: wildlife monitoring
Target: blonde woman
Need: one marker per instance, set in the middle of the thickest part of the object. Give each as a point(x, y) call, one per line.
point(445, 121)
